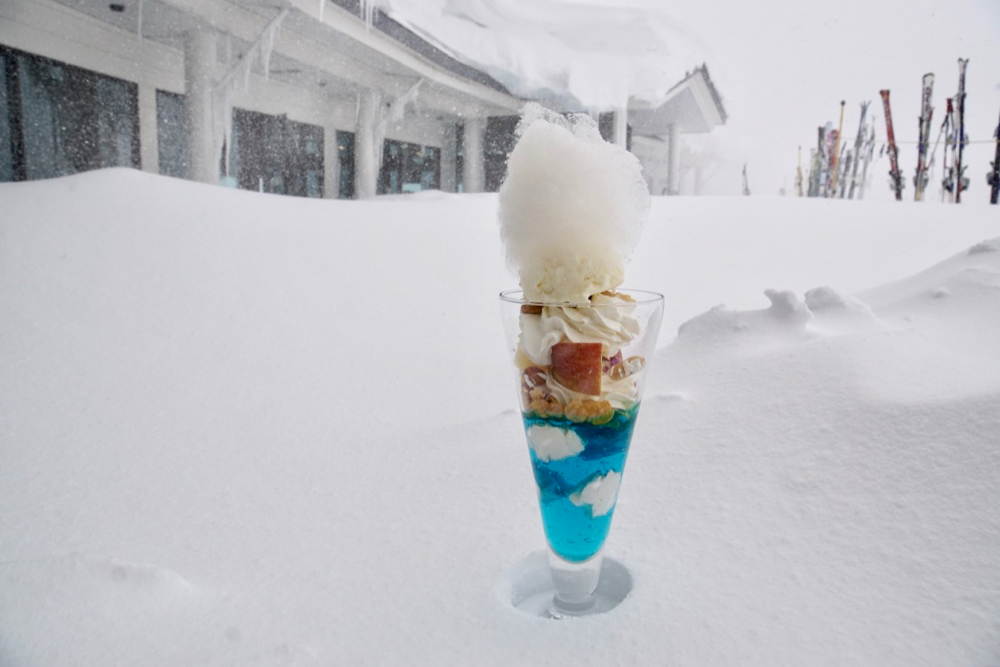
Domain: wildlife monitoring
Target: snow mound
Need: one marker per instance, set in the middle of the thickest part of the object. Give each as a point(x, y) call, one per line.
point(973, 274)
point(724, 328)
point(991, 245)
point(131, 580)
point(836, 313)
point(126, 605)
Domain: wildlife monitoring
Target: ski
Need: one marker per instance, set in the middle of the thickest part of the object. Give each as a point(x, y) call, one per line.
point(932, 159)
point(816, 181)
point(846, 161)
point(830, 160)
point(926, 112)
point(961, 182)
point(835, 165)
point(948, 167)
point(858, 141)
point(798, 175)
point(813, 177)
point(993, 177)
point(869, 153)
point(838, 189)
point(894, 173)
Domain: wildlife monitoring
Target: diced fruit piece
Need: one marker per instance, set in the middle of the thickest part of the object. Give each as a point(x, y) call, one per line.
point(533, 376)
point(630, 366)
point(635, 364)
point(577, 366)
point(608, 364)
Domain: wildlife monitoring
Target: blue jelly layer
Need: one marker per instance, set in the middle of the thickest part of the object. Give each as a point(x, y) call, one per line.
point(572, 531)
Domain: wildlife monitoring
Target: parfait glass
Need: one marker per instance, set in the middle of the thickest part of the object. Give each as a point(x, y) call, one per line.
point(579, 371)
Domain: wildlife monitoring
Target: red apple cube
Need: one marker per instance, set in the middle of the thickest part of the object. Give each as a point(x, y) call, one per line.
point(577, 366)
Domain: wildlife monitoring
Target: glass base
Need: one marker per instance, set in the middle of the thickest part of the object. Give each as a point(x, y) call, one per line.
point(529, 589)
point(575, 584)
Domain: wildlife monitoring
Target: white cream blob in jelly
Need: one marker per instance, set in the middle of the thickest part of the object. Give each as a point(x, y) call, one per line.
point(553, 444)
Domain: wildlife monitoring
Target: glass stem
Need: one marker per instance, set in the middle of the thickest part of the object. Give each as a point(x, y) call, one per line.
point(574, 585)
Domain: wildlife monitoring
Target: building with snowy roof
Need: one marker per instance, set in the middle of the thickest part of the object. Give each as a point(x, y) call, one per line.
point(317, 98)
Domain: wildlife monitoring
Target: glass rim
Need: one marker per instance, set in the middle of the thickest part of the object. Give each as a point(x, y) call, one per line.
point(641, 296)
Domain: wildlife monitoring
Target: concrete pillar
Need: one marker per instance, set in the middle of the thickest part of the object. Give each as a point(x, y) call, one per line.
point(366, 151)
point(619, 133)
point(449, 158)
point(331, 163)
point(149, 147)
point(473, 167)
point(673, 160)
point(204, 148)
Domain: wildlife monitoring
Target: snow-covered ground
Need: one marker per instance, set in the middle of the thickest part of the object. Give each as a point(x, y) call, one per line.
point(244, 429)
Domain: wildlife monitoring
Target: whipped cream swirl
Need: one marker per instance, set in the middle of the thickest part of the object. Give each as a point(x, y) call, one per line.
point(607, 320)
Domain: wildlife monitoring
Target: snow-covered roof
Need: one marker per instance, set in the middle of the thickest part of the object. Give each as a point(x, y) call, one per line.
point(693, 105)
point(598, 56)
point(400, 33)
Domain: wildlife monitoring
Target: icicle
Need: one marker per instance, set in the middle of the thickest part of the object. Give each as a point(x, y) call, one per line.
point(227, 141)
point(398, 108)
point(138, 27)
point(379, 126)
point(238, 77)
point(259, 53)
point(368, 8)
point(322, 5)
point(393, 113)
point(267, 44)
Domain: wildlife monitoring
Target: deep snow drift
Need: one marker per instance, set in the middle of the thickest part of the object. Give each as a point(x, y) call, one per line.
point(245, 429)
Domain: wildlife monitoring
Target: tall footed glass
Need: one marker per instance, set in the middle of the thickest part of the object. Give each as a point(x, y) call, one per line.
point(579, 371)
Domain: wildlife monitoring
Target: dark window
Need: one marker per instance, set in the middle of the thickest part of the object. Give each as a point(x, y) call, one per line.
point(274, 154)
point(6, 136)
point(430, 169)
point(606, 126)
point(172, 133)
point(409, 168)
point(499, 142)
point(60, 119)
point(345, 156)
